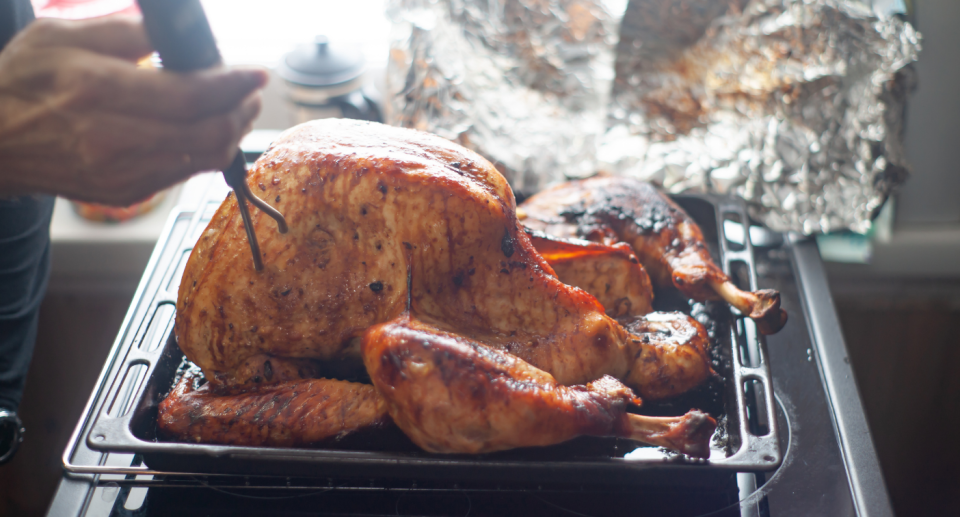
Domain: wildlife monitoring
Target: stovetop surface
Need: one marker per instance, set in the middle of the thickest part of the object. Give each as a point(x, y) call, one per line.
point(829, 467)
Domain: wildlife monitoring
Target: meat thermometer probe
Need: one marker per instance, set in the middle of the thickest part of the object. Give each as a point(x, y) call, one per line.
point(180, 32)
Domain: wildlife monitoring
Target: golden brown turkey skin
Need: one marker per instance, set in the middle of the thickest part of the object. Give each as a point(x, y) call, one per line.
point(611, 209)
point(383, 221)
point(365, 203)
point(450, 394)
point(672, 354)
point(611, 273)
point(670, 245)
point(280, 415)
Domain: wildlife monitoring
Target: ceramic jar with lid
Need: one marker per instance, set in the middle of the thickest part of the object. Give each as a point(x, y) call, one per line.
point(326, 80)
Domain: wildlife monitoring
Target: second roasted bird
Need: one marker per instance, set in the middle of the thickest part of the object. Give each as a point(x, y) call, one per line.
point(618, 209)
point(405, 257)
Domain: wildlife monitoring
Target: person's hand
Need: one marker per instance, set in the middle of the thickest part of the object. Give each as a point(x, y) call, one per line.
point(79, 119)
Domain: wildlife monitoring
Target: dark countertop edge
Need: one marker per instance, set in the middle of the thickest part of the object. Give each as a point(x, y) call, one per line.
point(849, 419)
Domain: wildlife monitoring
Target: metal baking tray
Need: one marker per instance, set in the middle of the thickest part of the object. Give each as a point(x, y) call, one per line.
point(144, 363)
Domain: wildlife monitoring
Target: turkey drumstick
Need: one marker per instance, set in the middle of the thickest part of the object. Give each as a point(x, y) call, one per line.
point(450, 394)
point(611, 209)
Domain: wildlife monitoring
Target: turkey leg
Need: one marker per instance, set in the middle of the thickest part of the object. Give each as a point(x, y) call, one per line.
point(451, 394)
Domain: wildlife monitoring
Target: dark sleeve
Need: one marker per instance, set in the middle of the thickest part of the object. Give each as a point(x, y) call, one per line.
point(24, 255)
point(14, 15)
point(24, 268)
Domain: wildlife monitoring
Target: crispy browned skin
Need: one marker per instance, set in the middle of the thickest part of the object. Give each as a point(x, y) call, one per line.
point(611, 209)
point(451, 394)
point(612, 274)
point(383, 219)
point(282, 415)
point(672, 357)
point(365, 204)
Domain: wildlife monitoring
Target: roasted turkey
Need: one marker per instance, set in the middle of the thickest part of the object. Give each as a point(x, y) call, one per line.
point(405, 259)
point(620, 209)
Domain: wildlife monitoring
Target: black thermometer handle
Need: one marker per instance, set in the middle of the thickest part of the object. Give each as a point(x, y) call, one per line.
point(180, 33)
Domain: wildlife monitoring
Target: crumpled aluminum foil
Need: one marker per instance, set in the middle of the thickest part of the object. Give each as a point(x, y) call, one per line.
point(523, 82)
point(795, 105)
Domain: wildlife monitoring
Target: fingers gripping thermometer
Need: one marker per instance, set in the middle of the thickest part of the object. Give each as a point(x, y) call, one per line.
point(180, 32)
